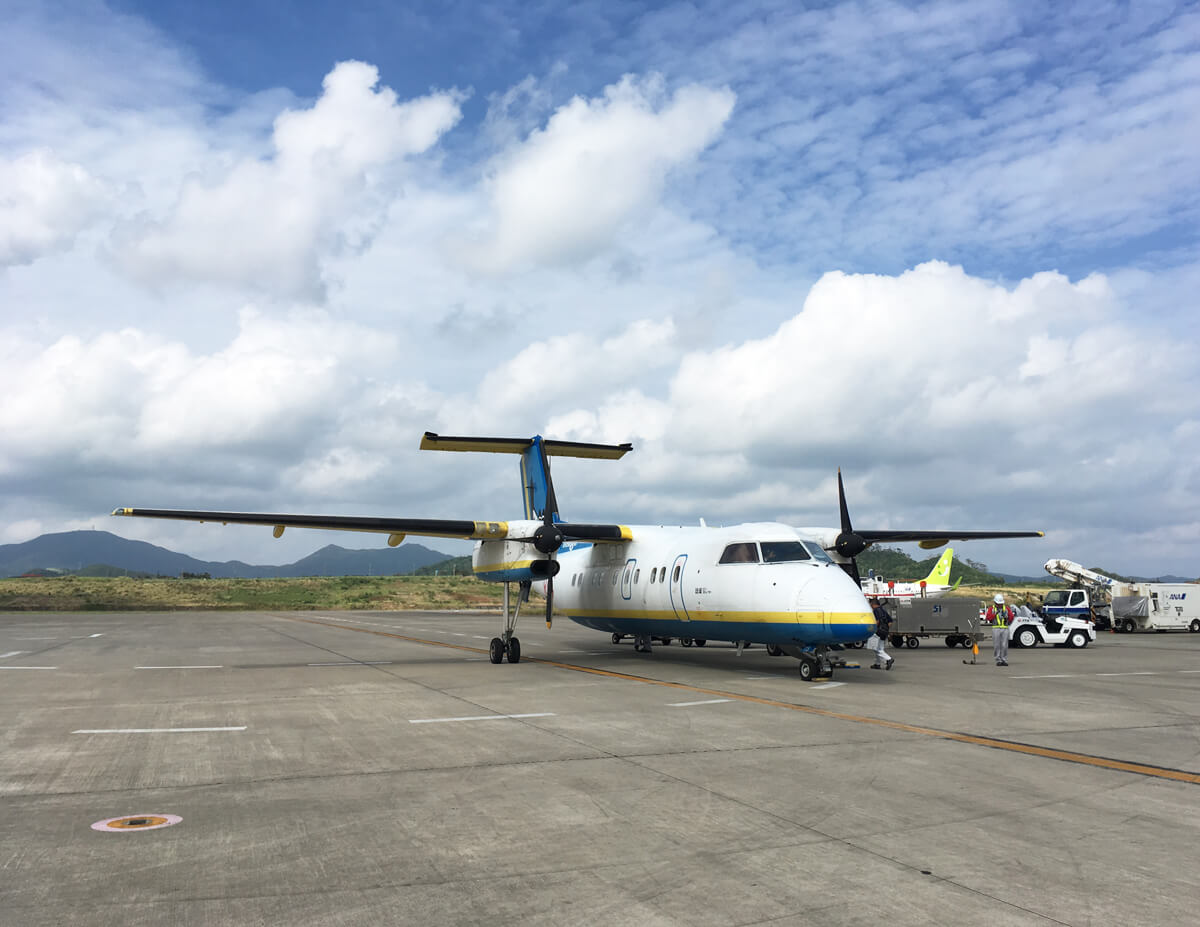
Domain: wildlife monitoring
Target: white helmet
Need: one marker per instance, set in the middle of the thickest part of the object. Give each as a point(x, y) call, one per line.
point(999, 599)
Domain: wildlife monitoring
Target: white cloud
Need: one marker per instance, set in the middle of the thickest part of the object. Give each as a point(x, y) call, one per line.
point(564, 193)
point(44, 203)
point(267, 224)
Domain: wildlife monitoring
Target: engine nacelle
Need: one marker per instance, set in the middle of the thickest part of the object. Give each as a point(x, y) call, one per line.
point(513, 559)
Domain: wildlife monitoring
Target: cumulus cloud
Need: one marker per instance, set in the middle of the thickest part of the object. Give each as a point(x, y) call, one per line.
point(563, 193)
point(265, 223)
point(44, 203)
point(141, 401)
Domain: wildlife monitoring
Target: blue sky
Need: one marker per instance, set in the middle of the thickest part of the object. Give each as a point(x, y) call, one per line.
point(949, 246)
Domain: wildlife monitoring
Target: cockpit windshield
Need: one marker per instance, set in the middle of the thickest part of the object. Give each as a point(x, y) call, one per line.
point(817, 551)
point(1056, 597)
point(783, 551)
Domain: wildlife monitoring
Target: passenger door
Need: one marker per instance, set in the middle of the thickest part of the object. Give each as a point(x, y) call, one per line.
point(677, 577)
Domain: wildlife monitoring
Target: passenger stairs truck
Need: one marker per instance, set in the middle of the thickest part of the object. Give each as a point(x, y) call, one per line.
point(1127, 606)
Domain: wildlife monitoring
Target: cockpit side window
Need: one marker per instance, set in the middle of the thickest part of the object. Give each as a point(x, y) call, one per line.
point(746, 552)
point(783, 551)
point(817, 551)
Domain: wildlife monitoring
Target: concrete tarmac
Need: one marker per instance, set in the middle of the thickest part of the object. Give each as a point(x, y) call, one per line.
point(365, 768)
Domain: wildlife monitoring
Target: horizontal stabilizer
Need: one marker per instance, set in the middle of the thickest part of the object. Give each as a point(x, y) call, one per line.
point(434, 442)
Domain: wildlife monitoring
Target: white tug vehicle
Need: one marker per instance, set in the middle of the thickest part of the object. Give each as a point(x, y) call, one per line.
point(1028, 630)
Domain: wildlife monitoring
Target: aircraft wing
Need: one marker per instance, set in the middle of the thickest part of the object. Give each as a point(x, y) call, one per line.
point(394, 528)
point(932, 539)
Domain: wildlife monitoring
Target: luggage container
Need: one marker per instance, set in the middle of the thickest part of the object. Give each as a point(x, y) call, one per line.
point(954, 619)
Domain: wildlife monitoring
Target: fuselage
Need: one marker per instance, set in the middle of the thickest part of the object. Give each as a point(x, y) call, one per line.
point(763, 583)
point(886, 590)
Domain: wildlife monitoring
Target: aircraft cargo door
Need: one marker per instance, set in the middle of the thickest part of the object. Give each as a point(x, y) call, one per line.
point(677, 604)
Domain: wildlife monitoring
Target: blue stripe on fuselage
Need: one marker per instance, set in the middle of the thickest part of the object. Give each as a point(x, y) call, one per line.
point(758, 632)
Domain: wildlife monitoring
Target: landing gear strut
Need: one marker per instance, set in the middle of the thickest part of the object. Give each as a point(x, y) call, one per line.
point(509, 645)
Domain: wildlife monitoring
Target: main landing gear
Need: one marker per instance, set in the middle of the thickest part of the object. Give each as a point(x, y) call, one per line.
point(509, 645)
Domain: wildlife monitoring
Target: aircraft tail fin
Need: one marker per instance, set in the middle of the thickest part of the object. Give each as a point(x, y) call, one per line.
point(940, 574)
point(537, 489)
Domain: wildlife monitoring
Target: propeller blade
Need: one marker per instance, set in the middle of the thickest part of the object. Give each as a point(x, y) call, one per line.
point(851, 569)
point(845, 512)
point(549, 600)
point(848, 543)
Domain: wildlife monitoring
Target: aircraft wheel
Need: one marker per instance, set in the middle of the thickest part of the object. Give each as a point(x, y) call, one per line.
point(913, 642)
point(685, 641)
point(773, 651)
point(952, 640)
point(496, 650)
point(1077, 639)
point(1194, 627)
point(700, 641)
point(1027, 637)
point(616, 638)
point(807, 670)
point(666, 641)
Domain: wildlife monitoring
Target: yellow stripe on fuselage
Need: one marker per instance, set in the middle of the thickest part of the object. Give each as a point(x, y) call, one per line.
point(811, 618)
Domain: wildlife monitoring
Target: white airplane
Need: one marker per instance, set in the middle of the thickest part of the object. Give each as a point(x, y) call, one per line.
point(937, 583)
point(766, 582)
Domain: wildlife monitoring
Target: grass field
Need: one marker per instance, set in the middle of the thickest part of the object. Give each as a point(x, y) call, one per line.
point(122, 593)
point(376, 593)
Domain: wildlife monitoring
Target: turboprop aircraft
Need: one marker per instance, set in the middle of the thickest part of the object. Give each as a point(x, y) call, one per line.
point(764, 582)
point(937, 583)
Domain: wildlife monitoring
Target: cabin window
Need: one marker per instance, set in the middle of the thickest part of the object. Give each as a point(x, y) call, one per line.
point(574, 576)
point(746, 552)
point(653, 574)
point(616, 576)
point(1076, 598)
point(676, 574)
point(783, 551)
point(636, 574)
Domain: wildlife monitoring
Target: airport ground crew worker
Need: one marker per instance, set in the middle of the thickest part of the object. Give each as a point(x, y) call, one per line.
point(998, 616)
point(883, 624)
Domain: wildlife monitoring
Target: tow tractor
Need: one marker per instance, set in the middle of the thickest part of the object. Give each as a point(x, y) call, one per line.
point(1060, 630)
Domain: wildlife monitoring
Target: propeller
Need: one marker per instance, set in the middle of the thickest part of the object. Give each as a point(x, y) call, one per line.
point(848, 543)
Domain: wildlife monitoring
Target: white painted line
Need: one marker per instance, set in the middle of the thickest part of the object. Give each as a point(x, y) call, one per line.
point(480, 637)
point(1055, 676)
point(457, 634)
point(1127, 674)
point(35, 638)
point(95, 635)
point(356, 663)
point(826, 685)
point(12, 653)
point(27, 667)
point(768, 676)
point(179, 667)
point(544, 714)
point(1187, 671)
point(156, 730)
point(711, 701)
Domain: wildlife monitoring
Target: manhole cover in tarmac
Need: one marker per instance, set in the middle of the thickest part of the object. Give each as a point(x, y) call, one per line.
point(130, 822)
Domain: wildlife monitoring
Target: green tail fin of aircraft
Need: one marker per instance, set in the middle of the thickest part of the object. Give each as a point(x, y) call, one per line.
point(940, 574)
